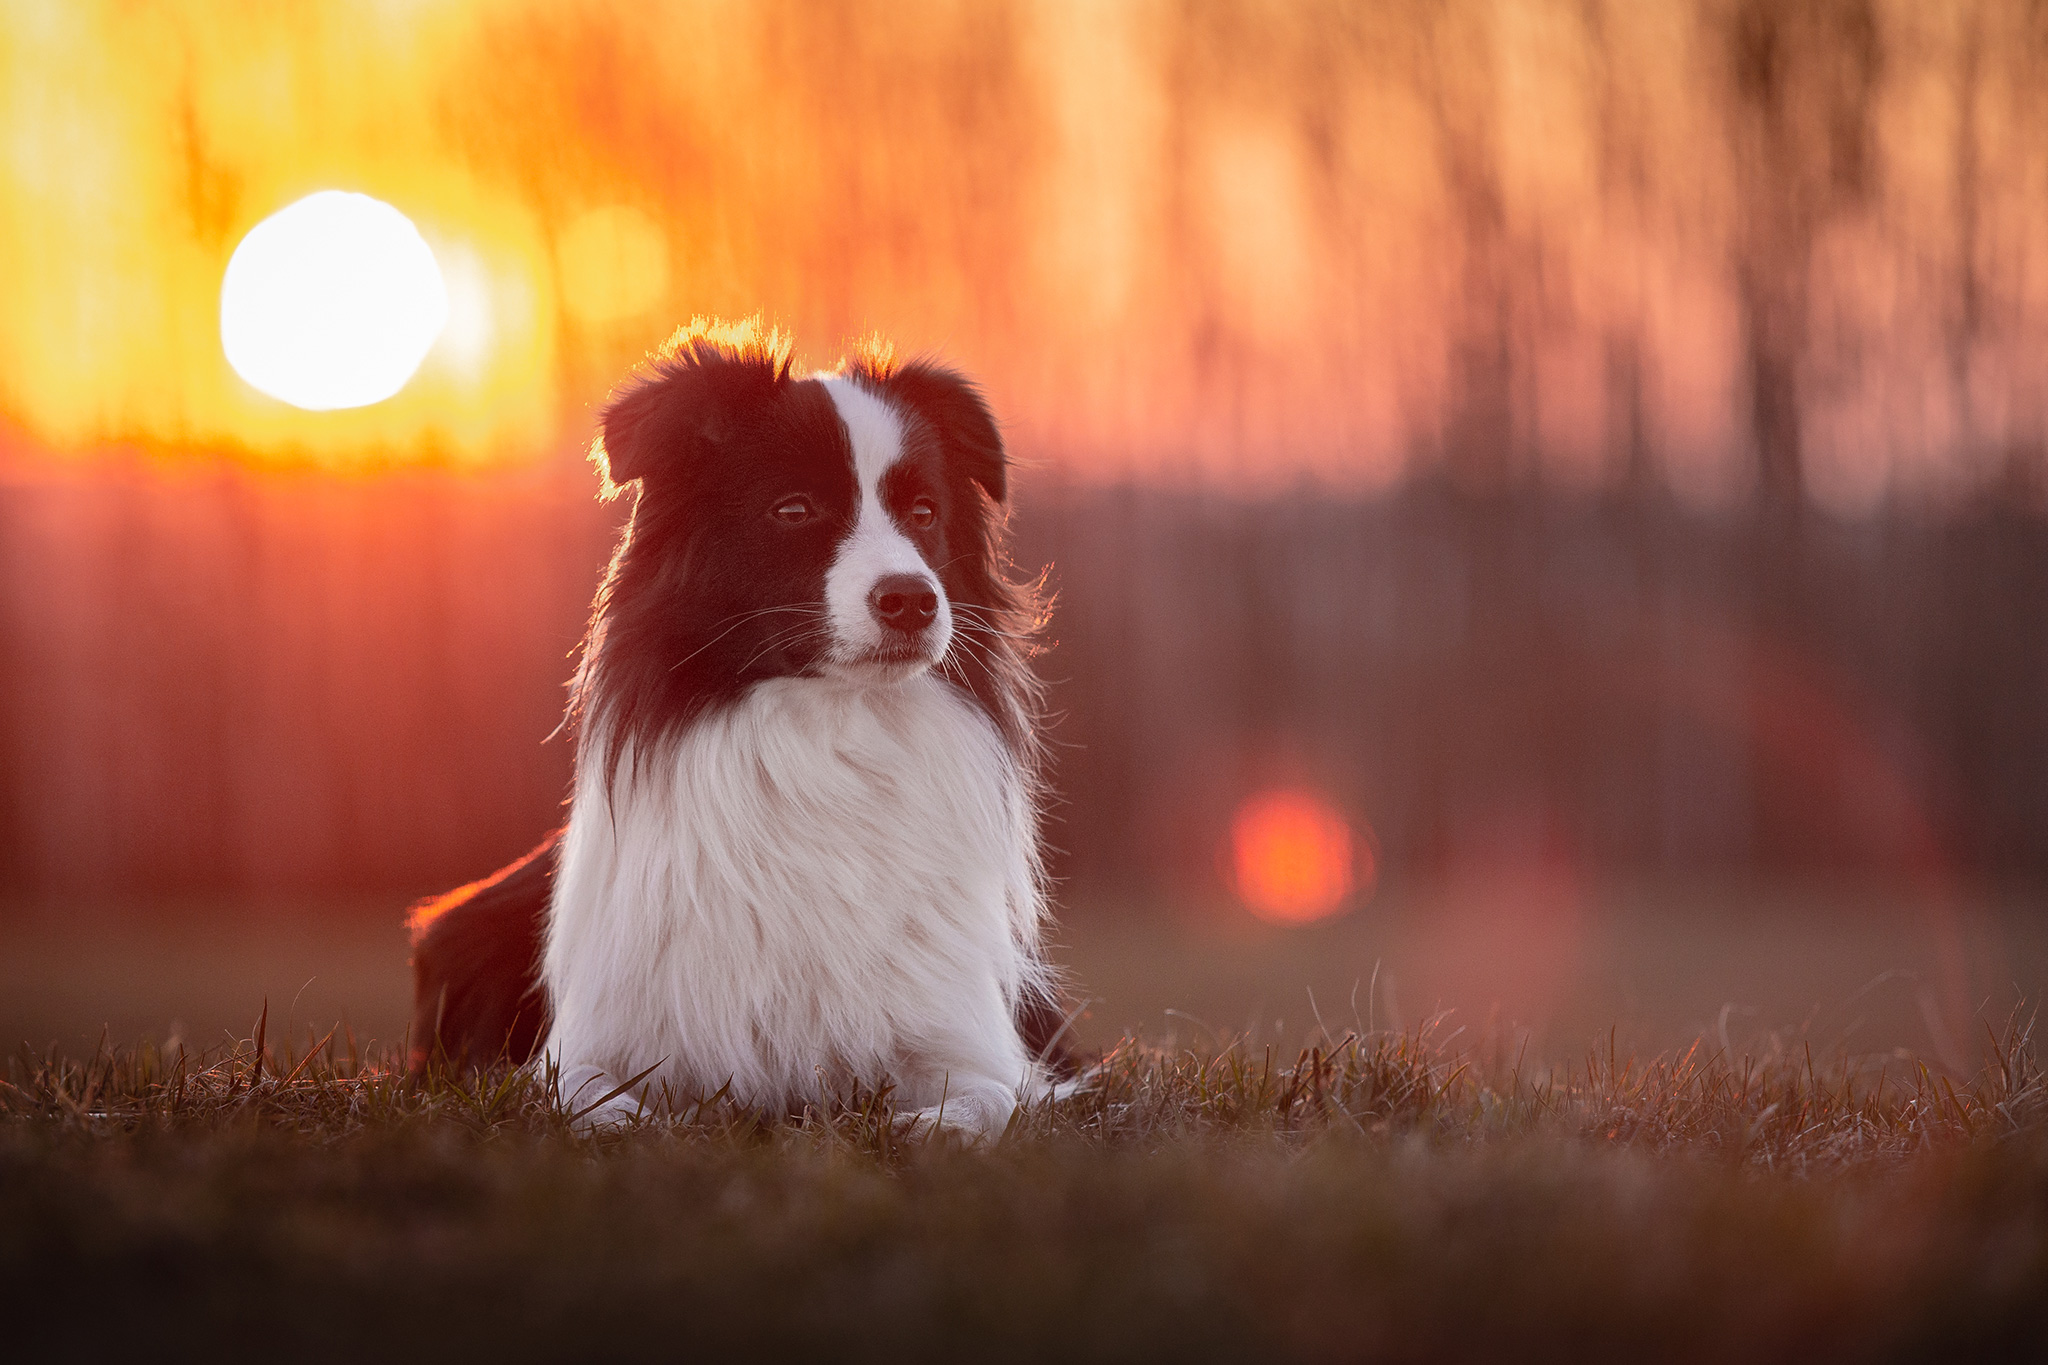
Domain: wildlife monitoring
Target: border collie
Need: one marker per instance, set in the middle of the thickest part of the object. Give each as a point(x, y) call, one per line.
point(802, 847)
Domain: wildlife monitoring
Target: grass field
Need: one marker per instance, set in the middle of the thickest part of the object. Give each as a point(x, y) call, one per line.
point(1379, 1197)
point(1507, 1180)
point(1658, 966)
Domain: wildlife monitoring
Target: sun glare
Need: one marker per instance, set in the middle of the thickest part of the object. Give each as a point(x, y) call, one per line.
point(1292, 856)
point(614, 264)
point(331, 302)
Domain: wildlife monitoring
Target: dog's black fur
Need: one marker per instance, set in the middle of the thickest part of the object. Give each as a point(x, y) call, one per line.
point(713, 421)
point(477, 997)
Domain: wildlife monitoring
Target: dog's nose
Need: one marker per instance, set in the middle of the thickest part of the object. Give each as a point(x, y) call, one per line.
point(905, 602)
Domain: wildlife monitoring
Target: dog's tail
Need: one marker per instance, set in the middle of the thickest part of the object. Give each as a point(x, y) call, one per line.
point(476, 990)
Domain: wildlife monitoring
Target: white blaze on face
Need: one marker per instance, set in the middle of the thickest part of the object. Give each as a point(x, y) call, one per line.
point(876, 547)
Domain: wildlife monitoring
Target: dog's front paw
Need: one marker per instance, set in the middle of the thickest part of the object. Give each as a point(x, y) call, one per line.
point(934, 1127)
point(612, 1116)
point(595, 1102)
point(1082, 1083)
point(972, 1115)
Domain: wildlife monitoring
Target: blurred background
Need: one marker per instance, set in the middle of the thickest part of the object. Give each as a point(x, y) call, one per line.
point(1548, 500)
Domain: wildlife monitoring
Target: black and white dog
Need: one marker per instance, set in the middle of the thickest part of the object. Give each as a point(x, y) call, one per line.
point(802, 847)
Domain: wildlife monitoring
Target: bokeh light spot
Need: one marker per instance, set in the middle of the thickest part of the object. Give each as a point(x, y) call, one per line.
point(614, 265)
point(1293, 856)
point(331, 302)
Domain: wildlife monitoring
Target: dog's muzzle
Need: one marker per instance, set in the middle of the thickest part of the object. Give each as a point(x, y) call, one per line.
point(904, 603)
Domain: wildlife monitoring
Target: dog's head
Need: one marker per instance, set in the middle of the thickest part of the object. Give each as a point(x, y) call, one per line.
point(838, 525)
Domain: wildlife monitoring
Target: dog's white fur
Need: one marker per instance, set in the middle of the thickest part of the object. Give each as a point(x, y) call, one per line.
point(835, 879)
point(876, 548)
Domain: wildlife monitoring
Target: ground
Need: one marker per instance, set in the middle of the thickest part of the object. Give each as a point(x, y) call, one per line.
point(1652, 1125)
point(1383, 1196)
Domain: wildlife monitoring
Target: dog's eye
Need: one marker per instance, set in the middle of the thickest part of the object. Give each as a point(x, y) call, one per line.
point(923, 513)
point(793, 511)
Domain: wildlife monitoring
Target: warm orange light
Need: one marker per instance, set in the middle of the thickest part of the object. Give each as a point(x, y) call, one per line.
point(331, 302)
point(614, 265)
point(128, 183)
point(1203, 260)
point(1293, 856)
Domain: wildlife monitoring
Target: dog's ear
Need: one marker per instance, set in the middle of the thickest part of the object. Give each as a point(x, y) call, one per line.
point(960, 418)
point(668, 416)
point(678, 410)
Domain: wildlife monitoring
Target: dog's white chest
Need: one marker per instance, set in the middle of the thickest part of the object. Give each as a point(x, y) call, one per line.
point(820, 876)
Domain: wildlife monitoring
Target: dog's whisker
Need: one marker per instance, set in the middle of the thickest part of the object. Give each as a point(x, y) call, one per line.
point(776, 642)
point(736, 623)
point(956, 651)
point(970, 627)
point(980, 615)
point(758, 820)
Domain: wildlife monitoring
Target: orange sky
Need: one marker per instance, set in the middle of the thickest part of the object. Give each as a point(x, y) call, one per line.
point(1253, 241)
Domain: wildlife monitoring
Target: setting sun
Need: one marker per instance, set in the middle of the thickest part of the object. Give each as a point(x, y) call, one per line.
point(1292, 856)
point(331, 302)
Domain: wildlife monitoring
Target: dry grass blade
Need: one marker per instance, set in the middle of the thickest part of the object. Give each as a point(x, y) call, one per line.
point(1376, 1194)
